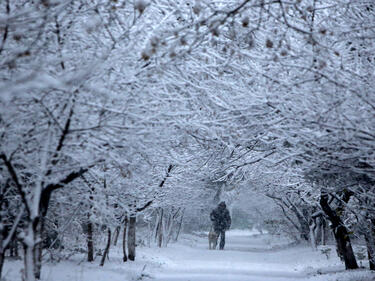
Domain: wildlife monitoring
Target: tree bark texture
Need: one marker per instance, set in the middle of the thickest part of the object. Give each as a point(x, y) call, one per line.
point(313, 236)
point(1, 264)
point(344, 246)
point(160, 229)
point(90, 242)
point(106, 250)
point(131, 237)
point(29, 254)
point(304, 226)
point(116, 234)
point(370, 243)
point(125, 256)
point(39, 248)
point(179, 227)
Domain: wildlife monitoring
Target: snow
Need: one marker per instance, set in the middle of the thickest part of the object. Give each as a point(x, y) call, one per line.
point(77, 270)
point(248, 256)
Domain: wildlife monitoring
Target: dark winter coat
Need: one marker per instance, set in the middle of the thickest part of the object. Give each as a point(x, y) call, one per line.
point(220, 217)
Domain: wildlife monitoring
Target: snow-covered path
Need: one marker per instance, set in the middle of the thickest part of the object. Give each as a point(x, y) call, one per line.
point(246, 257)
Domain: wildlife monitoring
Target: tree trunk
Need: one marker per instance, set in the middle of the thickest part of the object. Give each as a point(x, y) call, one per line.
point(90, 227)
point(90, 242)
point(304, 228)
point(318, 229)
point(160, 229)
point(16, 254)
point(167, 228)
point(11, 253)
point(116, 235)
point(324, 232)
point(171, 224)
point(179, 227)
point(1, 265)
point(344, 246)
point(29, 257)
point(2, 249)
point(29, 263)
point(106, 250)
point(149, 236)
point(370, 243)
point(125, 256)
point(370, 251)
point(156, 226)
point(38, 260)
point(39, 248)
point(313, 236)
point(131, 237)
point(13, 249)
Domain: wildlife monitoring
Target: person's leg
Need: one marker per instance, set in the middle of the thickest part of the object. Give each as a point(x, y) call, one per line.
point(222, 239)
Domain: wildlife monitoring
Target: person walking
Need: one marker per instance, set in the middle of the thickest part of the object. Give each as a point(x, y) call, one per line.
point(221, 221)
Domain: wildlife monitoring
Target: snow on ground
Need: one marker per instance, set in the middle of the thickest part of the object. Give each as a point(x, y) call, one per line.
point(76, 270)
point(248, 256)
